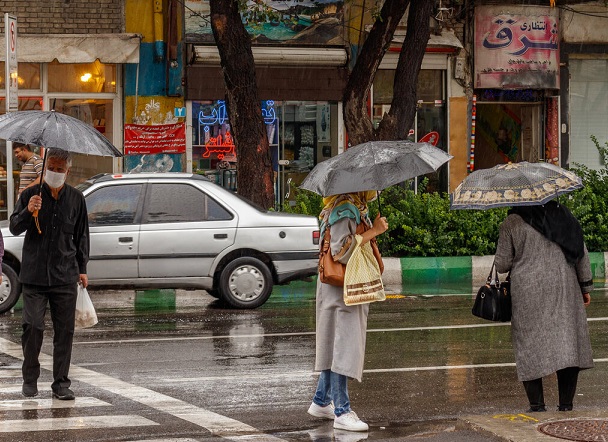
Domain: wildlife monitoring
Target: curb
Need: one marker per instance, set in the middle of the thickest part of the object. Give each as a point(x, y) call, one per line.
point(455, 275)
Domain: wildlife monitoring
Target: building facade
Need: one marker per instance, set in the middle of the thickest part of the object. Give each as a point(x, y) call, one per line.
point(71, 57)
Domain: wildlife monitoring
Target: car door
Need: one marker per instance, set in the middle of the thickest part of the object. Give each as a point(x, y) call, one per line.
point(182, 231)
point(114, 231)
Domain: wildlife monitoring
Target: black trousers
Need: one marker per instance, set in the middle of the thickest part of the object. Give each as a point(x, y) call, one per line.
point(62, 303)
point(567, 379)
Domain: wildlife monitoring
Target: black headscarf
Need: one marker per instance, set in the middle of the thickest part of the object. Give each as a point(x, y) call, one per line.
point(557, 224)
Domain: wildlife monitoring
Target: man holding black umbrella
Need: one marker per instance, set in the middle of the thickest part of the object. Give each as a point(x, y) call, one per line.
point(55, 257)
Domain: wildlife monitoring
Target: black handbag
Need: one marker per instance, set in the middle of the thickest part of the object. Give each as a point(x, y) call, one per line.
point(493, 300)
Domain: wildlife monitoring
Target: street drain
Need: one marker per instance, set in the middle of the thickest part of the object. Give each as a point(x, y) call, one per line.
point(582, 430)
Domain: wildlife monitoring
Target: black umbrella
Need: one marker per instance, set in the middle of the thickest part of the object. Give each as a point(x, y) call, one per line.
point(52, 129)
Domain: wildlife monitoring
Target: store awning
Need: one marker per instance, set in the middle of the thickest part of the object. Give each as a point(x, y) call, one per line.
point(280, 56)
point(77, 48)
point(446, 40)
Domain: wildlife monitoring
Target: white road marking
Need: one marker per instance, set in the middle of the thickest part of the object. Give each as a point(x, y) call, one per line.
point(36, 403)
point(10, 372)
point(217, 424)
point(268, 335)
point(72, 423)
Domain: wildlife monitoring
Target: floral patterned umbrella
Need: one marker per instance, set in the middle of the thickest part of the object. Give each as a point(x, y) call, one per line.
point(513, 184)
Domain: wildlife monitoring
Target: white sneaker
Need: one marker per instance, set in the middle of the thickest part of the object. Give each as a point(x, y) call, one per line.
point(350, 422)
point(326, 412)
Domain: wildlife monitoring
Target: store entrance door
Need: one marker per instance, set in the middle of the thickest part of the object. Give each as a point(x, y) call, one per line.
point(508, 132)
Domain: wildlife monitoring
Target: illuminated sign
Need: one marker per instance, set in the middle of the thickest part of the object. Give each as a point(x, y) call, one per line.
point(220, 145)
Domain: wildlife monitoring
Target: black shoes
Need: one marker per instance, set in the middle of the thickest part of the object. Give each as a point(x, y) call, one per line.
point(536, 408)
point(564, 408)
point(29, 390)
point(63, 394)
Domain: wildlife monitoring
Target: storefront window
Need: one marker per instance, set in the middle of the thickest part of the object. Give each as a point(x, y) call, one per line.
point(44, 89)
point(97, 113)
point(29, 103)
point(299, 135)
point(29, 76)
point(93, 77)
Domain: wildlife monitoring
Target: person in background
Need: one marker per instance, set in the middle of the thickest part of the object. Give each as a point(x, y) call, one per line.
point(543, 248)
point(32, 166)
point(341, 329)
point(55, 257)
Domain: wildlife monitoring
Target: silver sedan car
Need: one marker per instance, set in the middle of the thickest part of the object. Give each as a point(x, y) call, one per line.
point(174, 230)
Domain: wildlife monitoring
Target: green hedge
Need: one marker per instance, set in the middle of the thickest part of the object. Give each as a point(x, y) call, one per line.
point(423, 225)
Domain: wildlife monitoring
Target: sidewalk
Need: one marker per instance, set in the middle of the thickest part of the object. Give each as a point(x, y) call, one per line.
point(589, 425)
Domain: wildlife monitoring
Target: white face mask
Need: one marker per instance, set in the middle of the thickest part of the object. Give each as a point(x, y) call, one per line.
point(54, 179)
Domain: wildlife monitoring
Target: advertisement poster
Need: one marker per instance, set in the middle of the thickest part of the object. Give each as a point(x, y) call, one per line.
point(315, 22)
point(155, 139)
point(516, 47)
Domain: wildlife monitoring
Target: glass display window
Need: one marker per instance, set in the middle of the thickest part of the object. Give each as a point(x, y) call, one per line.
point(99, 114)
point(29, 76)
point(93, 77)
point(299, 136)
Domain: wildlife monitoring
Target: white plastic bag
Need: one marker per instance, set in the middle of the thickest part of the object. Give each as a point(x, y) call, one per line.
point(85, 312)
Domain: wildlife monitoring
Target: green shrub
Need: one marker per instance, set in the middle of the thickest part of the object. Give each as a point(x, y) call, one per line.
point(423, 225)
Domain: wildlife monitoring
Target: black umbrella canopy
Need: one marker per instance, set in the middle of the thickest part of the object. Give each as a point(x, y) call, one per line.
point(374, 165)
point(52, 129)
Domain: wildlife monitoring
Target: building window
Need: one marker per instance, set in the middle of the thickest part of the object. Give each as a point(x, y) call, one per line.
point(588, 110)
point(29, 76)
point(93, 77)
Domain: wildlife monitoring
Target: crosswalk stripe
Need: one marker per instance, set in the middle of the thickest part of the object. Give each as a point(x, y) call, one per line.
point(38, 404)
point(218, 425)
point(10, 372)
point(71, 423)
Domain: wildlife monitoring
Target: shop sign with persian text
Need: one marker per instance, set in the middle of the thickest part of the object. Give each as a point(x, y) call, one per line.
point(152, 139)
point(516, 47)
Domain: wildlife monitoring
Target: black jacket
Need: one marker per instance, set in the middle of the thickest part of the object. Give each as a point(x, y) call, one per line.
point(60, 253)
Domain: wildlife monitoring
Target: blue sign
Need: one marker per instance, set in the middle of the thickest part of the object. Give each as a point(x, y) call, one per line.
point(179, 112)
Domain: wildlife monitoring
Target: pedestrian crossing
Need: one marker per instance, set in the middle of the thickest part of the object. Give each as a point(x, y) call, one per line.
point(84, 415)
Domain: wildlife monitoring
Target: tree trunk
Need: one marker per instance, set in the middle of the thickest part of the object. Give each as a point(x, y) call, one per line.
point(397, 123)
point(356, 117)
point(255, 176)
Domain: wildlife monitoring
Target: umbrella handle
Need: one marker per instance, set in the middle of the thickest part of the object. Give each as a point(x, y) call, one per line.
point(35, 212)
point(35, 215)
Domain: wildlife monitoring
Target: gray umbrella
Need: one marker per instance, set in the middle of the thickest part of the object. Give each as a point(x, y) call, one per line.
point(55, 130)
point(374, 165)
point(513, 184)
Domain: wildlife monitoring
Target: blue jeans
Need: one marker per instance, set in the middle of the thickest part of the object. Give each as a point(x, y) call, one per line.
point(332, 387)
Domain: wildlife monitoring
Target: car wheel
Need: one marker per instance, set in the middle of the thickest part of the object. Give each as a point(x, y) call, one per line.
point(214, 292)
point(10, 289)
point(245, 283)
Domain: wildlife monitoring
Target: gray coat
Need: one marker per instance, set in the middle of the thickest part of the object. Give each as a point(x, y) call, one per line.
point(341, 329)
point(549, 324)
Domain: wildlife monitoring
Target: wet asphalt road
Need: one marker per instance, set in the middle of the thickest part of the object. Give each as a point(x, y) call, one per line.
point(187, 369)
